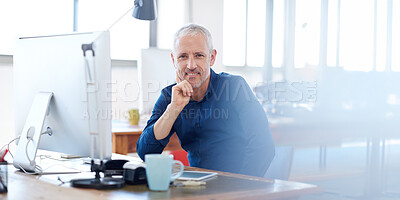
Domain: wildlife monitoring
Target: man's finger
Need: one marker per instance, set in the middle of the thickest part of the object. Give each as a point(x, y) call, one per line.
point(189, 89)
point(184, 89)
point(180, 87)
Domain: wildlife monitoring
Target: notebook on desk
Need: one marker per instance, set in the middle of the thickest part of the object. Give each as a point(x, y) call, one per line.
point(57, 163)
point(57, 168)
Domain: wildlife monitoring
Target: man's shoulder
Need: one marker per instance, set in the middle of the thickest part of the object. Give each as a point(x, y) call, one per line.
point(165, 95)
point(167, 90)
point(224, 76)
point(227, 78)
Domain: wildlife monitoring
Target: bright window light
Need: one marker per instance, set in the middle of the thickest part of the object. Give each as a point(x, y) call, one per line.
point(381, 35)
point(33, 18)
point(396, 36)
point(234, 32)
point(170, 19)
point(256, 33)
point(357, 35)
point(332, 32)
point(127, 37)
point(8, 33)
point(307, 33)
point(278, 33)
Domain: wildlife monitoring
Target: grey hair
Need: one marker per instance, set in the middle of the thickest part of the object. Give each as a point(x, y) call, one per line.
point(192, 30)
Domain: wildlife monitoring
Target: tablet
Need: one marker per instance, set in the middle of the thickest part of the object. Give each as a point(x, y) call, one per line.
point(196, 175)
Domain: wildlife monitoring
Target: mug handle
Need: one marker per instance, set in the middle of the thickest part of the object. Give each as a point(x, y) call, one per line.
point(180, 171)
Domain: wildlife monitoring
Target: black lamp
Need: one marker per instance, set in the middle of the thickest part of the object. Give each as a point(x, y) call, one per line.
point(142, 9)
point(145, 10)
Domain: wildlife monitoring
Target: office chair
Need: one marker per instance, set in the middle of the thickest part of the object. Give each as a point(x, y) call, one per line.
point(181, 155)
point(281, 164)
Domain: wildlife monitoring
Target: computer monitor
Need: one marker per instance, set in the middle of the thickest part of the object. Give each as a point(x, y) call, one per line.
point(56, 64)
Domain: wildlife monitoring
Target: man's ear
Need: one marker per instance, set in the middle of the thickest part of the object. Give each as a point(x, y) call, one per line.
point(173, 60)
point(213, 57)
point(178, 80)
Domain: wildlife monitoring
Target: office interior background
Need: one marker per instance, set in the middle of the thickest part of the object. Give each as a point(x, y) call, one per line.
point(327, 73)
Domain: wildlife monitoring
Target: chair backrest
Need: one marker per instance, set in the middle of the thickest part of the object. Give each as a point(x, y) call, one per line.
point(281, 164)
point(181, 155)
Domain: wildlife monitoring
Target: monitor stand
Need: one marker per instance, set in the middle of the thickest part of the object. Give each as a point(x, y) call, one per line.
point(97, 182)
point(30, 137)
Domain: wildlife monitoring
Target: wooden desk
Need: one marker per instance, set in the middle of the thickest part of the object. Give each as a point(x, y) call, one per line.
point(224, 186)
point(125, 136)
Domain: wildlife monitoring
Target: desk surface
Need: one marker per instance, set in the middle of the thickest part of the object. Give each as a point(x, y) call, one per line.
point(224, 186)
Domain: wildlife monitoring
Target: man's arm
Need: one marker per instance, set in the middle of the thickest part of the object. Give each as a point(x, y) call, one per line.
point(159, 128)
point(181, 94)
point(147, 143)
point(260, 148)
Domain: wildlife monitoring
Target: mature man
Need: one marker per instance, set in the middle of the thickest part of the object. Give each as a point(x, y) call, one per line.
point(217, 118)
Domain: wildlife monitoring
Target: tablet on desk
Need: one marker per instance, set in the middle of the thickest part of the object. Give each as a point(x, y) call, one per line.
point(196, 175)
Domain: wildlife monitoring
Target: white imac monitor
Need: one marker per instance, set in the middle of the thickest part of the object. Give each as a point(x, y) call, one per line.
point(56, 64)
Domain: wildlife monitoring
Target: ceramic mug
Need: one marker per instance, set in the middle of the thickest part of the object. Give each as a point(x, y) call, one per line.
point(159, 171)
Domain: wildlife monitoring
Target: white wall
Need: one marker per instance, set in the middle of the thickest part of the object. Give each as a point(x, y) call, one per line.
point(125, 89)
point(6, 100)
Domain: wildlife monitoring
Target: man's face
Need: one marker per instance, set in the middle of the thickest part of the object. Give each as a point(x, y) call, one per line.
point(192, 59)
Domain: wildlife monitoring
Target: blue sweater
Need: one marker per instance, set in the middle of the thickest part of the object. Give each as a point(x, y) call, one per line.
point(226, 131)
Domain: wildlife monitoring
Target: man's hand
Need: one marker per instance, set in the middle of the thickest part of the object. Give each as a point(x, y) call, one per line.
point(181, 93)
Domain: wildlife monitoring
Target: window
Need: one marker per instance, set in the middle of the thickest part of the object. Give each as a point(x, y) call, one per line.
point(170, 19)
point(234, 33)
point(46, 17)
point(30, 18)
point(333, 26)
point(395, 35)
point(381, 35)
point(307, 32)
point(365, 41)
point(255, 34)
point(278, 28)
point(356, 35)
point(244, 38)
point(127, 37)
